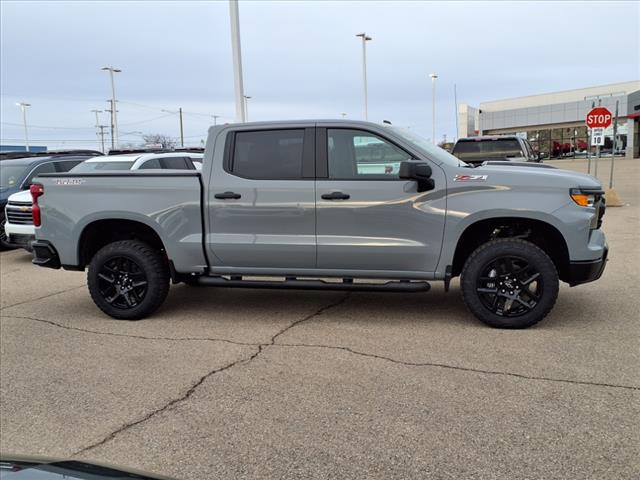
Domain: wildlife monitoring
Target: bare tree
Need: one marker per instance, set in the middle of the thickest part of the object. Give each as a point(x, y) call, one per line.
point(159, 139)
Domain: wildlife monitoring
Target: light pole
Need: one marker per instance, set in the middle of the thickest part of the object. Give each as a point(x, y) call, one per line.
point(114, 113)
point(433, 106)
point(236, 50)
point(98, 129)
point(181, 124)
point(246, 107)
point(23, 106)
point(365, 39)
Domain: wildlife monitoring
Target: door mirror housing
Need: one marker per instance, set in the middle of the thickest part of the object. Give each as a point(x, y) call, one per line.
point(419, 171)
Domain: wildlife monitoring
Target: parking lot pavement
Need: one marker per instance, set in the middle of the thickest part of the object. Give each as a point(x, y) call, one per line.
point(285, 384)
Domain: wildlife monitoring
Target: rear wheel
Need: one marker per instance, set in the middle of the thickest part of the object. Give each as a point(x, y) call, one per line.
point(509, 283)
point(128, 280)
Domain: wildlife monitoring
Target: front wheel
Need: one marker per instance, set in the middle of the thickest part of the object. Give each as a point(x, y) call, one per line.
point(509, 283)
point(128, 280)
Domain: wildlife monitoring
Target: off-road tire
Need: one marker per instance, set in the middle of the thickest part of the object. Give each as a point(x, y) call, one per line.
point(500, 248)
point(149, 260)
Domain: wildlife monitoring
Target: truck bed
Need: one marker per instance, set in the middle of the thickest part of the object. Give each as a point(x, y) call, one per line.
point(169, 202)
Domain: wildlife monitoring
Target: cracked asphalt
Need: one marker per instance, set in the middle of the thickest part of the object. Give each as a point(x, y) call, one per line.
point(235, 383)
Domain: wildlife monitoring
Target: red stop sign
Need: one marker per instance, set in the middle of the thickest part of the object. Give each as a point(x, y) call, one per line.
point(599, 117)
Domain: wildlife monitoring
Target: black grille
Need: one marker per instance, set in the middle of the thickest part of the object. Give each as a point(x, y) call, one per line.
point(19, 216)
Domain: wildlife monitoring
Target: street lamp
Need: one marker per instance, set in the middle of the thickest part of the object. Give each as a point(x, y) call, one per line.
point(234, 17)
point(365, 39)
point(114, 114)
point(433, 106)
point(246, 107)
point(23, 106)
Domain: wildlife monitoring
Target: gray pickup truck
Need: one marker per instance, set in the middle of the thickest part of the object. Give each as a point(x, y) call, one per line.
point(326, 205)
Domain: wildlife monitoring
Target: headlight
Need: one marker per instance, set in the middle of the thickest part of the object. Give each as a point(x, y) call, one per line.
point(586, 197)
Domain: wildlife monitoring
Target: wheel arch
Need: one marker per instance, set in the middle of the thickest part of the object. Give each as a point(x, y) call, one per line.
point(98, 233)
point(539, 232)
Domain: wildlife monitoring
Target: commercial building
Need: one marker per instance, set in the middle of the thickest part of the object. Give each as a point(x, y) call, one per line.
point(554, 123)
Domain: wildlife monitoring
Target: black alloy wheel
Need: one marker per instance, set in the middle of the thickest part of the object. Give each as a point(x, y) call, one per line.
point(509, 286)
point(122, 283)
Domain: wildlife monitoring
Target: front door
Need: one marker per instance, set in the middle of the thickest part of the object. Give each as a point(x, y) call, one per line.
point(262, 201)
point(368, 219)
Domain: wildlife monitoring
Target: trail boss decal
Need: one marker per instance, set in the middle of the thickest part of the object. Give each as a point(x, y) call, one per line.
point(69, 181)
point(470, 178)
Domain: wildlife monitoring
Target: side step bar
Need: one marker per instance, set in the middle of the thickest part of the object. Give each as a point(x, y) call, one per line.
point(291, 283)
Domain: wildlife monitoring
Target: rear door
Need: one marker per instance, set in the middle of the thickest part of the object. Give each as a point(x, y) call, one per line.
point(368, 219)
point(261, 200)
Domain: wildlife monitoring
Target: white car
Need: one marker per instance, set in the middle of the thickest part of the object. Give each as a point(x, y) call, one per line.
point(141, 161)
point(19, 225)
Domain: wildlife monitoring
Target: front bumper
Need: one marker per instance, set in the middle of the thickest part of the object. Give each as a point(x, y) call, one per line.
point(20, 240)
point(587, 271)
point(45, 255)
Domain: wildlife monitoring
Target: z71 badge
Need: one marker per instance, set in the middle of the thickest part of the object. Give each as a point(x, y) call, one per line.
point(69, 181)
point(470, 178)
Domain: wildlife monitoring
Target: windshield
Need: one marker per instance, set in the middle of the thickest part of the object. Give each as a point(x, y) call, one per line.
point(498, 148)
point(12, 175)
point(433, 151)
point(86, 167)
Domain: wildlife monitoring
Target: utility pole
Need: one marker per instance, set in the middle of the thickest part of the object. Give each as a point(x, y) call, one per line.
point(236, 49)
point(179, 112)
point(114, 112)
point(101, 134)
point(23, 106)
point(365, 39)
point(215, 119)
point(433, 106)
point(97, 128)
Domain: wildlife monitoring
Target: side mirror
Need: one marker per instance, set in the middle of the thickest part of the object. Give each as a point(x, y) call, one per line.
point(419, 171)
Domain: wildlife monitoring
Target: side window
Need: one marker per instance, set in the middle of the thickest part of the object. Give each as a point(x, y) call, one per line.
point(66, 165)
point(174, 163)
point(150, 164)
point(355, 154)
point(268, 154)
point(44, 168)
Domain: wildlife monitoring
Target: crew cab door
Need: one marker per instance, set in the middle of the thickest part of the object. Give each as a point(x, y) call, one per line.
point(368, 219)
point(261, 200)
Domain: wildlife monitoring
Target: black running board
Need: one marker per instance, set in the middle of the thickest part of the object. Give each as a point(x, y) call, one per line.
point(347, 284)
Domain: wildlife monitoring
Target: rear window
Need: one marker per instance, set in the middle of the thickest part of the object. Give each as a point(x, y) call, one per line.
point(268, 154)
point(87, 167)
point(500, 148)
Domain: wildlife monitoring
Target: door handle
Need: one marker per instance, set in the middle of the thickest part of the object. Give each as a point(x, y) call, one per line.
point(227, 196)
point(335, 196)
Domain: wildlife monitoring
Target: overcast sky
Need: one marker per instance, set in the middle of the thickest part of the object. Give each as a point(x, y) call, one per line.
point(301, 60)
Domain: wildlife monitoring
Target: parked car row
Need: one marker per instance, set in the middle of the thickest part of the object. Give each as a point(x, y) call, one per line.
point(16, 174)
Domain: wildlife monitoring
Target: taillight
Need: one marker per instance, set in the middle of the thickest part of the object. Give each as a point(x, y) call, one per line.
point(37, 191)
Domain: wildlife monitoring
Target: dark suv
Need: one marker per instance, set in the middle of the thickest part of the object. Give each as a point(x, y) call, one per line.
point(16, 174)
point(475, 150)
